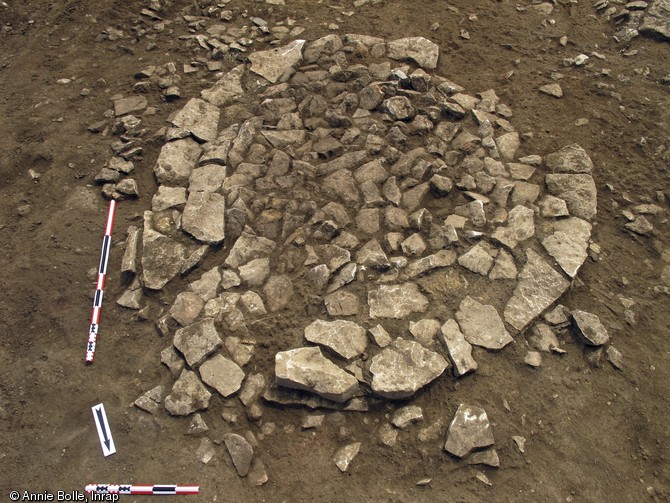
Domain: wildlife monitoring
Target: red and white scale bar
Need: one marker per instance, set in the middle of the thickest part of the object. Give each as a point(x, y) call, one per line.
point(141, 489)
point(100, 284)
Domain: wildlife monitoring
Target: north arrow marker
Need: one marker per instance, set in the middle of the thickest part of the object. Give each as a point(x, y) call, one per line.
point(104, 433)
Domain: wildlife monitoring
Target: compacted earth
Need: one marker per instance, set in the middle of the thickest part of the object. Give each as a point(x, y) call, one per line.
point(362, 250)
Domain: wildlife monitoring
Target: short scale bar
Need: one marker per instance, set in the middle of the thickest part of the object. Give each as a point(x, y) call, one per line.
point(100, 284)
point(162, 489)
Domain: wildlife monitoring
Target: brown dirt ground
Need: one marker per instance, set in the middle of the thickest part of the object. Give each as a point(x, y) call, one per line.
point(593, 434)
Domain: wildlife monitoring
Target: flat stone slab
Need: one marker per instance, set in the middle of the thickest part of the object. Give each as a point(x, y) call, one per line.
point(469, 430)
point(176, 161)
point(570, 159)
point(441, 259)
point(590, 327)
point(204, 215)
point(222, 374)
point(656, 21)
point(241, 452)
point(418, 49)
point(459, 350)
point(307, 369)
point(273, 64)
point(520, 227)
point(577, 190)
point(569, 243)
point(481, 325)
point(199, 118)
point(404, 367)
point(197, 341)
point(162, 256)
point(345, 338)
point(248, 247)
point(188, 395)
point(345, 455)
point(228, 88)
point(538, 286)
point(396, 301)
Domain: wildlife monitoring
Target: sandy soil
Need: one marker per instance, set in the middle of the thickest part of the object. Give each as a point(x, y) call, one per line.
point(593, 434)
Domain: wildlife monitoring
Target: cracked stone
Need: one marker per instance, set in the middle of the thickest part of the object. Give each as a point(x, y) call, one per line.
point(481, 325)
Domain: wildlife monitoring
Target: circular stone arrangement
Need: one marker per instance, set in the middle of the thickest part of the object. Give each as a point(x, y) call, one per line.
point(368, 222)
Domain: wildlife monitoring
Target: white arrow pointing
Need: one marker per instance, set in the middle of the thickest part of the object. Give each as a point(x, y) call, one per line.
point(104, 433)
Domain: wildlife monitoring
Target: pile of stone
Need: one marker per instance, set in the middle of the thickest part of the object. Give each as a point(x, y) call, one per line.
point(351, 195)
point(636, 17)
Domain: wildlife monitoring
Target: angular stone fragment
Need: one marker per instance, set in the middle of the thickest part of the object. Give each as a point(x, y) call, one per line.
point(273, 63)
point(443, 258)
point(207, 178)
point(228, 88)
point(199, 118)
point(345, 455)
point(197, 341)
point(132, 297)
point(507, 145)
point(187, 307)
point(553, 207)
point(345, 338)
point(241, 452)
point(188, 395)
point(477, 260)
point(569, 250)
point(380, 336)
point(172, 360)
point(577, 190)
point(254, 272)
point(252, 389)
point(396, 301)
point(521, 226)
point(307, 369)
point(222, 374)
point(552, 90)
point(341, 303)
point(203, 216)
point(538, 286)
point(162, 257)
point(168, 197)
point(488, 457)
point(544, 339)
point(570, 159)
point(253, 303)
point(125, 106)
point(388, 435)
point(459, 350)
point(425, 331)
point(370, 97)
point(399, 107)
point(327, 45)
point(504, 268)
point(590, 328)
point(482, 325)
point(404, 367)
point(407, 415)
point(469, 430)
point(176, 161)
point(615, 357)
point(248, 247)
point(151, 400)
point(197, 427)
point(656, 21)
point(418, 49)
point(278, 292)
point(414, 245)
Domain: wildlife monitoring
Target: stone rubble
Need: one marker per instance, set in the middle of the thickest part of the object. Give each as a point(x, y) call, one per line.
point(309, 181)
point(468, 430)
